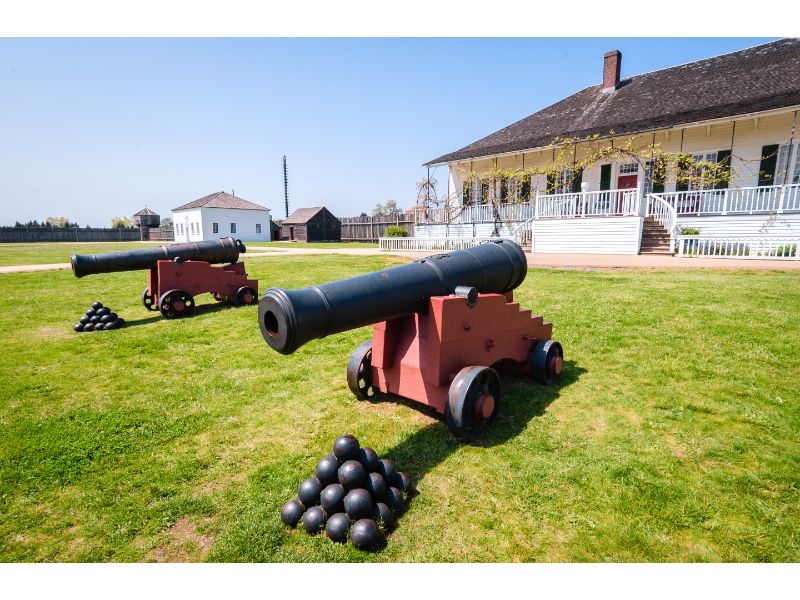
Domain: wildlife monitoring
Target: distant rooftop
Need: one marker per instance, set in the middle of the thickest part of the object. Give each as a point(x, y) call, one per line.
point(302, 215)
point(145, 212)
point(222, 200)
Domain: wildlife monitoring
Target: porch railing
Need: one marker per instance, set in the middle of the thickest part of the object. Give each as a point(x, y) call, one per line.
point(746, 200)
point(663, 212)
point(412, 244)
point(763, 247)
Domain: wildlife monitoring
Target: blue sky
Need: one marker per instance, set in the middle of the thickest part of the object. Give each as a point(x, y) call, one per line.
point(95, 128)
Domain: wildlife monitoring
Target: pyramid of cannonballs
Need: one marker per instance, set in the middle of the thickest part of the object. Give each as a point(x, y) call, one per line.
point(351, 490)
point(99, 317)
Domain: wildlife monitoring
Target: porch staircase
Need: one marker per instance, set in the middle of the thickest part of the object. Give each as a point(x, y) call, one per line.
point(655, 238)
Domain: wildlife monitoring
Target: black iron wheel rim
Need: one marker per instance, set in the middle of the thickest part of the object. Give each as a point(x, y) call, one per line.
point(170, 304)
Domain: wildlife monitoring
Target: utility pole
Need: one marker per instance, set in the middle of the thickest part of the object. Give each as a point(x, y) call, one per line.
point(285, 187)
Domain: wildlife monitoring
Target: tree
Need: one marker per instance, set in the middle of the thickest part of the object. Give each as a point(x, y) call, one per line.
point(426, 191)
point(166, 222)
point(390, 209)
point(120, 223)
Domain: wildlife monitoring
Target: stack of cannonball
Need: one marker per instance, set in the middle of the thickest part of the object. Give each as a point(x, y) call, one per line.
point(99, 317)
point(351, 490)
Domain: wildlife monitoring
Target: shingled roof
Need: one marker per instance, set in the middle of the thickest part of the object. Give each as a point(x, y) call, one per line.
point(756, 79)
point(145, 212)
point(302, 215)
point(222, 200)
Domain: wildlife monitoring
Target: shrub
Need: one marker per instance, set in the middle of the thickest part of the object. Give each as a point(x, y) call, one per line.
point(396, 231)
point(690, 231)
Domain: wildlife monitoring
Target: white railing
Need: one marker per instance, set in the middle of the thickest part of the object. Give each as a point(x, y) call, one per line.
point(474, 213)
point(523, 233)
point(664, 213)
point(746, 200)
point(781, 248)
point(411, 244)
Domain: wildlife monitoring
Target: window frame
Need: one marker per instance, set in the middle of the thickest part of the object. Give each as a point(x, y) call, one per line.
point(233, 227)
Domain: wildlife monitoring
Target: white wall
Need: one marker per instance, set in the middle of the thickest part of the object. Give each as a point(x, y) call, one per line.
point(204, 219)
point(614, 235)
point(743, 225)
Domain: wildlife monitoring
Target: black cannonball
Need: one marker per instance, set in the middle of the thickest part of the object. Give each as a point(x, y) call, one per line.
point(352, 474)
point(106, 319)
point(337, 526)
point(90, 312)
point(358, 503)
point(291, 512)
point(383, 515)
point(101, 311)
point(94, 319)
point(402, 481)
point(110, 325)
point(83, 320)
point(327, 470)
point(88, 327)
point(97, 305)
point(387, 469)
point(309, 492)
point(120, 322)
point(114, 316)
point(364, 534)
point(314, 520)
point(375, 484)
point(332, 498)
point(346, 448)
point(78, 327)
point(394, 498)
point(368, 458)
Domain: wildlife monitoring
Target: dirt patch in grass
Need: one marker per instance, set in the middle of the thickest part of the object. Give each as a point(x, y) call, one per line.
point(184, 543)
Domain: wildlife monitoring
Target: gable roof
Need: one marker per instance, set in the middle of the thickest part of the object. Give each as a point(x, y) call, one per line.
point(302, 215)
point(145, 212)
point(222, 200)
point(756, 79)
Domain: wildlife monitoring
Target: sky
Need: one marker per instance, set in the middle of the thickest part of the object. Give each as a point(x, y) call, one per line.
point(91, 129)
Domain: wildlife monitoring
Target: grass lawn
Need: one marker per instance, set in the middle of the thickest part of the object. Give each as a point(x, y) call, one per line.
point(46, 253)
point(673, 436)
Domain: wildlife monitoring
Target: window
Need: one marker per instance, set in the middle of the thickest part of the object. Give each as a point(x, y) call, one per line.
point(787, 168)
point(193, 228)
point(233, 227)
point(215, 228)
point(697, 180)
point(628, 168)
point(655, 174)
point(564, 183)
point(258, 227)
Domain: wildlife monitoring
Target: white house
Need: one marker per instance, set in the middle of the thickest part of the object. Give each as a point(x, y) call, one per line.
point(220, 215)
point(740, 109)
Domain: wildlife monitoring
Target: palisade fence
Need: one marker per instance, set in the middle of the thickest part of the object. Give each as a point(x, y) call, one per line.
point(370, 229)
point(77, 234)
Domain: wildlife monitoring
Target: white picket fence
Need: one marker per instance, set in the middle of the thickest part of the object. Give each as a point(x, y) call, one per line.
point(764, 247)
point(411, 244)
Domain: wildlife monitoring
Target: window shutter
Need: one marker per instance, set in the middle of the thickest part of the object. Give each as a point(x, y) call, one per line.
point(769, 159)
point(682, 186)
point(605, 177)
point(465, 193)
point(724, 158)
point(576, 181)
point(551, 183)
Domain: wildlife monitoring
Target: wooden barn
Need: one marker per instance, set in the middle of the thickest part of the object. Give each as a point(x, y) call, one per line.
point(315, 224)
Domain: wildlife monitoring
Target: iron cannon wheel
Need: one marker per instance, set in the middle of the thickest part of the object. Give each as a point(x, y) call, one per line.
point(148, 301)
point(473, 401)
point(175, 304)
point(547, 361)
point(359, 372)
point(246, 295)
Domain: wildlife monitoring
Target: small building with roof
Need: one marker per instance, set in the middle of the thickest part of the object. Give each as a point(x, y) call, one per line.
point(146, 218)
point(316, 224)
point(220, 215)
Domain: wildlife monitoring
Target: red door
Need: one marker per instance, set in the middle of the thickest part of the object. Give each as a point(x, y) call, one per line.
point(625, 182)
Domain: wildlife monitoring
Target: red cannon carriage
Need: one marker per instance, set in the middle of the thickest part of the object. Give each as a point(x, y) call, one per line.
point(443, 328)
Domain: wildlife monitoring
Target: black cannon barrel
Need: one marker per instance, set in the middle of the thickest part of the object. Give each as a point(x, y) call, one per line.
point(290, 318)
point(225, 250)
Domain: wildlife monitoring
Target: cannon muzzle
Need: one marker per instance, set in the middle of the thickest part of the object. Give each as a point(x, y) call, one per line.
point(225, 250)
point(290, 318)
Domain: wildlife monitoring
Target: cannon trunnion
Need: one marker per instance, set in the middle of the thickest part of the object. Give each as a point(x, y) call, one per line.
point(178, 273)
point(443, 327)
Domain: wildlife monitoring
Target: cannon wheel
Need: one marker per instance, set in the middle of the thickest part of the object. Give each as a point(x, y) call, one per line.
point(246, 295)
point(547, 361)
point(148, 301)
point(359, 372)
point(175, 304)
point(473, 401)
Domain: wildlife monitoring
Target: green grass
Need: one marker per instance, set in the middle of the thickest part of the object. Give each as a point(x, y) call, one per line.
point(673, 436)
point(57, 252)
point(324, 245)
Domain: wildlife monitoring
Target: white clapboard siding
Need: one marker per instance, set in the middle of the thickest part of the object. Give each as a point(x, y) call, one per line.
point(743, 225)
point(614, 235)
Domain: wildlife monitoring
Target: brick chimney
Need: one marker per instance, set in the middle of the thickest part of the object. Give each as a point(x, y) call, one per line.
point(612, 61)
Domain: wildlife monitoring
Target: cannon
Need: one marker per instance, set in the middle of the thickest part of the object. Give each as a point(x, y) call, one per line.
point(443, 327)
point(178, 273)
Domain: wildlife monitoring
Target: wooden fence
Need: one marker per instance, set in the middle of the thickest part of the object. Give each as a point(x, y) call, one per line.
point(64, 234)
point(371, 229)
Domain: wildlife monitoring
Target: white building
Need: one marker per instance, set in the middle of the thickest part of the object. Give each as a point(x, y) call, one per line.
point(738, 109)
point(220, 215)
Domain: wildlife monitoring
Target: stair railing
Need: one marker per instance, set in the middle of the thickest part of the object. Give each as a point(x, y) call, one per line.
point(664, 213)
point(523, 232)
